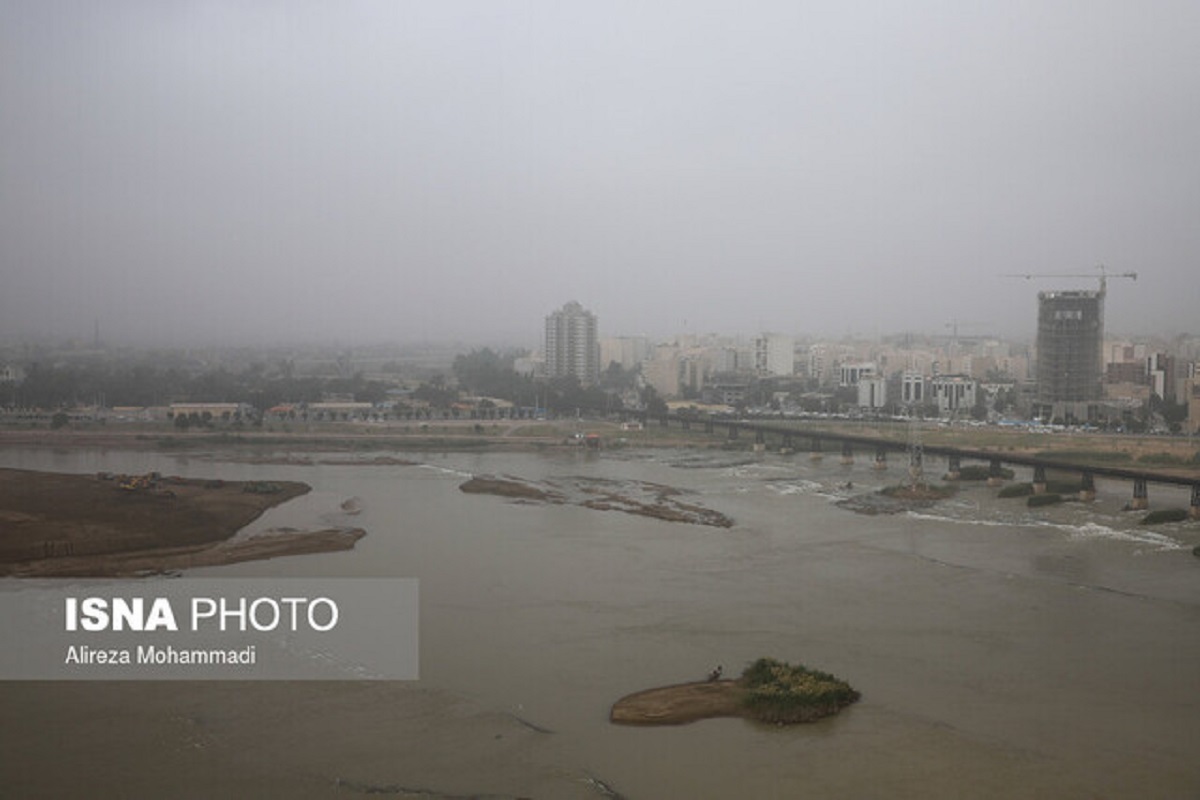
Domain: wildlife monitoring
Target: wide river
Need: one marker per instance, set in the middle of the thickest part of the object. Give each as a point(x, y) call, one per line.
point(1000, 652)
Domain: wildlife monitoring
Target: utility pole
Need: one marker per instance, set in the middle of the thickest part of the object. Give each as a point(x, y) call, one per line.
point(916, 452)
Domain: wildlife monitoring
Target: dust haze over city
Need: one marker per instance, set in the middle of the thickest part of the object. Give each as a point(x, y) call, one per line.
point(231, 173)
point(768, 399)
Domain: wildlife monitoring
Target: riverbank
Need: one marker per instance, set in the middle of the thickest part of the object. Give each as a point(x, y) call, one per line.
point(55, 524)
point(1175, 457)
point(441, 435)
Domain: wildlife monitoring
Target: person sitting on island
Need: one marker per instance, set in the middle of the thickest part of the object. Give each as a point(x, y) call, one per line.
point(715, 675)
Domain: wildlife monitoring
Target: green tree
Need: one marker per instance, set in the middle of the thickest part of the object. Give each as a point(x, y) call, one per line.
point(435, 393)
point(979, 411)
point(651, 401)
point(617, 378)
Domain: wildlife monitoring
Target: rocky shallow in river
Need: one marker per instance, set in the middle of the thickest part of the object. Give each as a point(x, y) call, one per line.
point(601, 494)
point(895, 499)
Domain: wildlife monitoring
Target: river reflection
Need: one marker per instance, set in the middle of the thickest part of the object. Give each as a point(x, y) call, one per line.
point(1000, 652)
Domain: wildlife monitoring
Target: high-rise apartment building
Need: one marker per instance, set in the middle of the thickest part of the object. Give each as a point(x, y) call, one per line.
point(572, 344)
point(1070, 346)
point(774, 354)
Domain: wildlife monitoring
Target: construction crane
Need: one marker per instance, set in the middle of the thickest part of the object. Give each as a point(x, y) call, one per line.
point(954, 325)
point(1104, 276)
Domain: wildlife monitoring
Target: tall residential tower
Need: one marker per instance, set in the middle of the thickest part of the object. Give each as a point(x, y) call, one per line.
point(572, 344)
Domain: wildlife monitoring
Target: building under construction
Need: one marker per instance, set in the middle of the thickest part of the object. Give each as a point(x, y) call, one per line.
point(1070, 341)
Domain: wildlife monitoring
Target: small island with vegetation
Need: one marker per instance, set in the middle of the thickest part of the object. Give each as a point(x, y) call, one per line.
point(768, 690)
point(897, 499)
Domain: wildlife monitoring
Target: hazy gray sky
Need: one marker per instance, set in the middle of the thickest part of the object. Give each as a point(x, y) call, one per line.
point(400, 170)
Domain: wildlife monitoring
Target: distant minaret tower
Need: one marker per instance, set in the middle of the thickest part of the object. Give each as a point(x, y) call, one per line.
point(96, 333)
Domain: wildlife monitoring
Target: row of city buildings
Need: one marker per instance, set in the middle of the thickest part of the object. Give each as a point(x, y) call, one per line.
point(1072, 373)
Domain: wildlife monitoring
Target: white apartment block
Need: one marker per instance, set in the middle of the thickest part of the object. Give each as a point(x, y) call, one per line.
point(872, 392)
point(849, 374)
point(774, 354)
point(662, 371)
point(912, 388)
point(628, 351)
point(953, 393)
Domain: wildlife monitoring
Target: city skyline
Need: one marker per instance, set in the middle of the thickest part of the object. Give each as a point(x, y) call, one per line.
point(533, 338)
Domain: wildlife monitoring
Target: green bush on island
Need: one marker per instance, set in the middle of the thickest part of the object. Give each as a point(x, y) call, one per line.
point(1039, 500)
point(1016, 490)
point(776, 691)
point(920, 491)
point(1165, 515)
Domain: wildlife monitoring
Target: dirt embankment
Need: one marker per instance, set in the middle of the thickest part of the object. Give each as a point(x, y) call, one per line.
point(54, 524)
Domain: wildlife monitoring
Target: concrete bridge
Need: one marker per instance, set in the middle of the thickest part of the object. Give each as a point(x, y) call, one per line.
point(789, 435)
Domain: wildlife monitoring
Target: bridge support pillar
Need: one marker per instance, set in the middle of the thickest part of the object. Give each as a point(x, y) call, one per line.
point(995, 476)
point(847, 453)
point(708, 425)
point(663, 420)
point(788, 447)
point(1039, 479)
point(686, 424)
point(1141, 497)
point(953, 468)
point(733, 431)
point(760, 441)
point(816, 454)
point(1087, 487)
point(880, 458)
point(1194, 511)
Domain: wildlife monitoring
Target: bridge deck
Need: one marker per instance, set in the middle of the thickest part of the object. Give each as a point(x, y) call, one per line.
point(975, 454)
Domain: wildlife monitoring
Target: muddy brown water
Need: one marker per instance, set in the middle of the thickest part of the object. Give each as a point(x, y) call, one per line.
point(999, 652)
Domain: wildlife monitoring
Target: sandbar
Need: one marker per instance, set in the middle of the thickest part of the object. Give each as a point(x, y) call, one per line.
point(57, 524)
point(680, 703)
